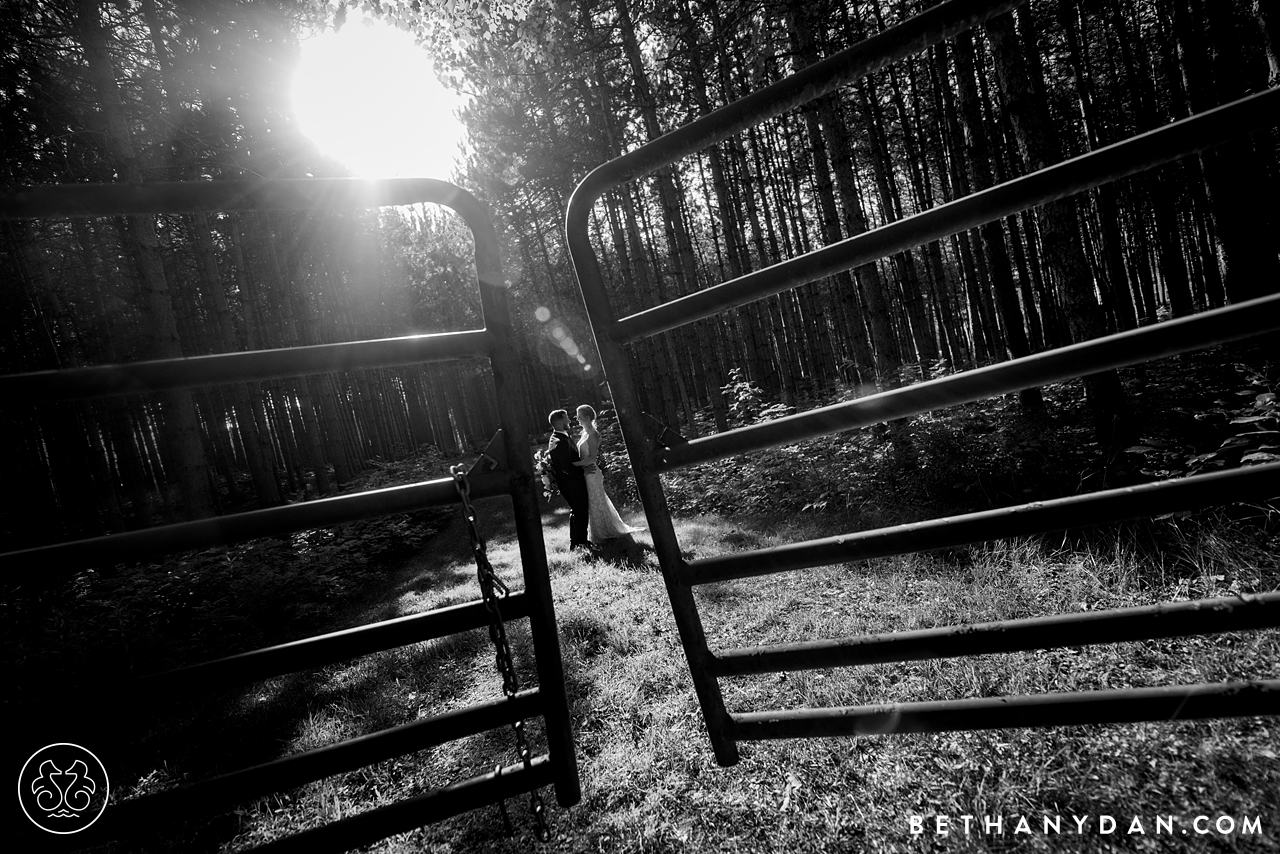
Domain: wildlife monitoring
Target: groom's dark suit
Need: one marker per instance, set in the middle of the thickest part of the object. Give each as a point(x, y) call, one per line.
point(573, 485)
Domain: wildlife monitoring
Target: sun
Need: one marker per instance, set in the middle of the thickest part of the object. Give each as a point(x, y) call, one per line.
point(369, 97)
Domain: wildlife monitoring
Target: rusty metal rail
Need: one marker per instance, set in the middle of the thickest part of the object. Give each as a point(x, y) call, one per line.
point(1166, 620)
point(1097, 508)
point(220, 793)
point(162, 374)
point(1172, 703)
point(414, 812)
point(60, 558)
point(649, 458)
point(514, 478)
point(1232, 323)
point(331, 648)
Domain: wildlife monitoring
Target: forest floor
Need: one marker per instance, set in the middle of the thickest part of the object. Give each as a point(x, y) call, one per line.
point(649, 780)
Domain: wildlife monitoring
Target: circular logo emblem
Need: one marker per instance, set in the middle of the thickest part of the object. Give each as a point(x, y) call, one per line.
point(63, 788)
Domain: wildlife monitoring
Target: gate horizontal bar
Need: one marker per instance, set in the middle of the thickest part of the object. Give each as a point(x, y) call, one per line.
point(171, 197)
point(406, 815)
point(1112, 505)
point(219, 793)
point(1162, 145)
point(61, 558)
point(330, 648)
point(1177, 702)
point(161, 374)
point(1135, 346)
point(1165, 620)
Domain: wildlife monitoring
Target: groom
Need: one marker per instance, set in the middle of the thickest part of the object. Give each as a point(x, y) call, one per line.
point(569, 478)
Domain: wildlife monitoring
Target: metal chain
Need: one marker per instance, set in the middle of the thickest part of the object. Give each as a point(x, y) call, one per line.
point(490, 588)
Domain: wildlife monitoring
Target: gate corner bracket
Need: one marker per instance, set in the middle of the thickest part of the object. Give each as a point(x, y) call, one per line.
point(662, 435)
point(492, 458)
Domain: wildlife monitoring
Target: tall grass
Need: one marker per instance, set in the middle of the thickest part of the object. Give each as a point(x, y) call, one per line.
point(650, 782)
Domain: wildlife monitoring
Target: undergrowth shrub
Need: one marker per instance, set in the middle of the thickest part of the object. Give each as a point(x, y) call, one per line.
point(969, 458)
point(981, 456)
point(746, 401)
point(190, 606)
point(1238, 429)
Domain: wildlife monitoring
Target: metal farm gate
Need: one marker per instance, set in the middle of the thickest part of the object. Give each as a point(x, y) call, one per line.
point(651, 456)
point(511, 474)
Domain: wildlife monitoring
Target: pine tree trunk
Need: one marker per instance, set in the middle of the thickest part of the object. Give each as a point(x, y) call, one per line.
point(252, 413)
point(66, 440)
point(951, 328)
point(922, 329)
point(679, 244)
point(992, 234)
point(982, 325)
point(903, 263)
point(200, 230)
point(829, 137)
point(1108, 209)
point(1267, 13)
point(1060, 228)
point(185, 450)
point(1212, 74)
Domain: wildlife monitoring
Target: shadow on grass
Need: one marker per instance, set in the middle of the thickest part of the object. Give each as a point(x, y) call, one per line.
point(301, 712)
point(624, 552)
point(483, 829)
point(194, 738)
point(173, 740)
point(180, 739)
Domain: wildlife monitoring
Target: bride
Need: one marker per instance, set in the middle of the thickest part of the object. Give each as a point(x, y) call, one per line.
point(603, 522)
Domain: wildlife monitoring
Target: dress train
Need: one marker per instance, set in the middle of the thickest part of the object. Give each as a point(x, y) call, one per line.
point(603, 522)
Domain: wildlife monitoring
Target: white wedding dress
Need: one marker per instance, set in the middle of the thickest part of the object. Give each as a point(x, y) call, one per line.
point(603, 522)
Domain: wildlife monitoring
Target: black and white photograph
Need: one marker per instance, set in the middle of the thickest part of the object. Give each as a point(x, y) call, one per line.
point(640, 426)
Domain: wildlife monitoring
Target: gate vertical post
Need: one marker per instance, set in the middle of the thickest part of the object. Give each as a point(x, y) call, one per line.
point(513, 416)
point(641, 450)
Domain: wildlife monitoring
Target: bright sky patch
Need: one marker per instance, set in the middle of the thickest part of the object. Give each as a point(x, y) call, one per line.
point(369, 97)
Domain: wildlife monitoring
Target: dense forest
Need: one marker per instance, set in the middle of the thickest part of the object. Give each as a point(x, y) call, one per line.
point(154, 90)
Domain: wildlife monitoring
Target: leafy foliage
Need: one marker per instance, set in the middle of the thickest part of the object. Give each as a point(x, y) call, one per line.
point(1248, 423)
point(433, 253)
point(454, 30)
point(746, 401)
point(542, 468)
point(985, 454)
point(969, 457)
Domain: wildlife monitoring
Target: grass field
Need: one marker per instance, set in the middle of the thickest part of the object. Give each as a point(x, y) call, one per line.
point(649, 780)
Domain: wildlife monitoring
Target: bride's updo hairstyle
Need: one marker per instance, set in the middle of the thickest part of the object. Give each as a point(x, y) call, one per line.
point(585, 410)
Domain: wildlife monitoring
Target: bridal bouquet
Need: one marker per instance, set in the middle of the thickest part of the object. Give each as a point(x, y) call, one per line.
point(542, 468)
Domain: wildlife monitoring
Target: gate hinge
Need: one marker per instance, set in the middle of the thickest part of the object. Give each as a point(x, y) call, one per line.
point(662, 435)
